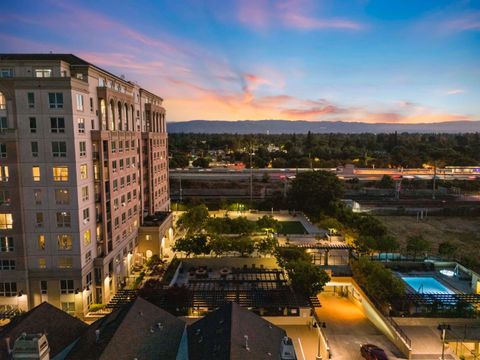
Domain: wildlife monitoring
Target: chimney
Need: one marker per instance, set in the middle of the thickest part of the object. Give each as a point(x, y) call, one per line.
point(97, 336)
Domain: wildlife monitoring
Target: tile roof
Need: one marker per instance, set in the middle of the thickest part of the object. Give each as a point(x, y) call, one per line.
point(139, 330)
point(220, 335)
point(61, 328)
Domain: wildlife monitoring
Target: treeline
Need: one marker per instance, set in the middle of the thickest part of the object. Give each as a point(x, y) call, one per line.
point(328, 150)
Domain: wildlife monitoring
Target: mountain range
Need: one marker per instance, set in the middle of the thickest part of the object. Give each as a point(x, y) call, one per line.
point(302, 127)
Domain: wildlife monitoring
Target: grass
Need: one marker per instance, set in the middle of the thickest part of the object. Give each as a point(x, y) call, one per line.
point(461, 231)
point(291, 227)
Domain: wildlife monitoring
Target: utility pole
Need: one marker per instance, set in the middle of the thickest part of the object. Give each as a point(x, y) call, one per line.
point(434, 179)
point(251, 175)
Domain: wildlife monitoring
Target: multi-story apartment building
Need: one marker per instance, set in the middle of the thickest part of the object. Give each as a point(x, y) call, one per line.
point(83, 160)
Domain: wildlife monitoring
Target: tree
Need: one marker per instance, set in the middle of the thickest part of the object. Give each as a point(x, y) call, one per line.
point(417, 244)
point(378, 281)
point(287, 255)
point(220, 245)
point(365, 244)
point(194, 219)
point(268, 222)
point(196, 244)
point(447, 249)
point(243, 245)
point(307, 279)
point(241, 225)
point(386, 244)
point(201, 162)
point(386, 182)
point(315, 193)
point(179, 160)
point(267, 245)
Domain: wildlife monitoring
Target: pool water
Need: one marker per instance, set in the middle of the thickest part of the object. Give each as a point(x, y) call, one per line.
point(426, 285)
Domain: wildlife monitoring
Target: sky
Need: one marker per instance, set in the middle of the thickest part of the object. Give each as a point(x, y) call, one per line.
point(398, 61)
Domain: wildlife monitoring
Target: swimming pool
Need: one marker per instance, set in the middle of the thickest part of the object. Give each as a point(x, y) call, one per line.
point(426, 285)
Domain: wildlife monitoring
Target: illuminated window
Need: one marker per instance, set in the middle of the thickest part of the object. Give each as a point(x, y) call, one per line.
point(64, 242)
point(83, 172)
point(6, 221)
point(69, 307)
point(6, 244)
point(148, 237)
point(87, 238)
point(62, 196)
point(41, 242)
point(42, 263)
point(3, 102)
point(36, 173)
point(4, 173)
point(60, 173)
point(59, 149)
point(43, 73)
point(65, 262)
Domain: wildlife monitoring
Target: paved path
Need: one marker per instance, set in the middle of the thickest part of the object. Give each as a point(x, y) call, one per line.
point(347, 328)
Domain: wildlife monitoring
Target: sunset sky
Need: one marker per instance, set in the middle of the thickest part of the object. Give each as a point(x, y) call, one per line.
point(361, 60)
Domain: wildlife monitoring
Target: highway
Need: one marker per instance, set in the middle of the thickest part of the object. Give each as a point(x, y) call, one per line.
point(364, 174)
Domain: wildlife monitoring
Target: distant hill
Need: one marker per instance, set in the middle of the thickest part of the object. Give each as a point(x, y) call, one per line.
point(301, 127)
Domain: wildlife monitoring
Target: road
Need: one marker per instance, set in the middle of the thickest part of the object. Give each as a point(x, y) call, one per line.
point(347, 328)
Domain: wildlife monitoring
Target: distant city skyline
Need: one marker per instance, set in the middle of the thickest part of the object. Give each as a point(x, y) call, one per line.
point(374, 61)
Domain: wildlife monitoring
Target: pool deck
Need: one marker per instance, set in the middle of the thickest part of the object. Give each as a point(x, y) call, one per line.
point(452, 283)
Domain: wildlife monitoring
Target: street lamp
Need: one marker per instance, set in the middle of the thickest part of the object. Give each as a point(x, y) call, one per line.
point(318, 325)
point(443, 328)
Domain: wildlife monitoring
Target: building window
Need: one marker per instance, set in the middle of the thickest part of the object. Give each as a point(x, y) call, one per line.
point(114, 146)
point(86, 215)
point(42, 263)
point(3, 123)
point(7, 264)
point(114, 166)
point(3, 150)
point(8, 289)
point(88, 256)
point(64, 219)
point(83, 148)
point(81, 125)
point(85, 193)
point(64, 242)
point(4, 173)
point(31, 99)
point(65, 262)
point(83, 172)
point(41, 242)
point(60, 173)
point(37, 195)
point(59, 149)
point(62, 196)
point(87, 238)
point(79, 102)
point(66, 287)
point(7, 73)
point(6, 244)
point(33, 125)
point(36, 173)
point(39, 219)
point(115, 185)
point(6, 221)
point(43, 287)
point(57, 124)
point(43, 73)
point(34, 148)
point(55, 100)
point(69, 307)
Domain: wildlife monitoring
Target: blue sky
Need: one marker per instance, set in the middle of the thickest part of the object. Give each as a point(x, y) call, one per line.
point(360, 60)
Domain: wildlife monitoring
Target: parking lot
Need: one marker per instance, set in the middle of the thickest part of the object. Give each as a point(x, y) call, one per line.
point(347, 328)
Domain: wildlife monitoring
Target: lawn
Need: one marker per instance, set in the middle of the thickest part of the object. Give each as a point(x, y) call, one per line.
point(291, 227)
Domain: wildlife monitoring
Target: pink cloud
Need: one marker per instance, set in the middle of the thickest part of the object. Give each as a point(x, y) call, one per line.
point(455, 91)
point(464, 22)
point(303, 22)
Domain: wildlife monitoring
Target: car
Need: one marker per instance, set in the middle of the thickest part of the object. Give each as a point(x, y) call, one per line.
point(372, 352)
